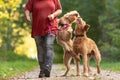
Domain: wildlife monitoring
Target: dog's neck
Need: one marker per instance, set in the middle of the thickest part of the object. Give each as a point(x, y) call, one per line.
point(80, 35)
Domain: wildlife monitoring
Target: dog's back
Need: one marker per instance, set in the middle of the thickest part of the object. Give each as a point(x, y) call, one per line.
point(82, 44)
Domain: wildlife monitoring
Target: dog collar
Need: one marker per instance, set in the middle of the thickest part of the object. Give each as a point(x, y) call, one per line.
point(79, 35)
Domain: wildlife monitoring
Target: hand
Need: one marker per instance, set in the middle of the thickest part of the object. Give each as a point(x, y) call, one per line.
point(51, 17)
point(58, 20)
point(28, 18)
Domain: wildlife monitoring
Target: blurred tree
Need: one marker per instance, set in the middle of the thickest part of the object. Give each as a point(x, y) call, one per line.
point(12, 23)
point(110, 27)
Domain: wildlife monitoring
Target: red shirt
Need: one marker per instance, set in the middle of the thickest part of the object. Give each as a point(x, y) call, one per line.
point(40, 10)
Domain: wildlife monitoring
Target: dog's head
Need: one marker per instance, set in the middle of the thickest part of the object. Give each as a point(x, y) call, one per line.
point(81, 27)
point(69, 18)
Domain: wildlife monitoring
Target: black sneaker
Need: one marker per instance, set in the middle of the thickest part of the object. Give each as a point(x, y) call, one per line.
point(41, 75)
point(47, 73)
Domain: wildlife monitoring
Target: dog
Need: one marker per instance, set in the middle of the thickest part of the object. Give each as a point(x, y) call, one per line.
point(86, 47)
point(64, 37)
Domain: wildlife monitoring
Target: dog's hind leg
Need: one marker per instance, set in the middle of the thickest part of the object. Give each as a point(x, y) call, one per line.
point(98, 60)
point(67, 59)
point(88, 62)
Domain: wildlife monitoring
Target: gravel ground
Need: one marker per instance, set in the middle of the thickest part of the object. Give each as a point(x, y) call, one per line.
point(58, 70)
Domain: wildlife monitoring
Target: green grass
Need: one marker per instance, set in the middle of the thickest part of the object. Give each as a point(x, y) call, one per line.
point(113, 66)
point(11, 68)
point(12, 64)
point(108, 65)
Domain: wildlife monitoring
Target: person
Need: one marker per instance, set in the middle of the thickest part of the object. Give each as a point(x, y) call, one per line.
point(44, 29)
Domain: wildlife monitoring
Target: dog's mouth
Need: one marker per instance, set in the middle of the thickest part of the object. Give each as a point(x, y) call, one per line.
point(64, 25)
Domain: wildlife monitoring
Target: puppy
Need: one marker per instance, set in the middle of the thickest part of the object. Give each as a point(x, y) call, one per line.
point(84, 46)
point(64, 37)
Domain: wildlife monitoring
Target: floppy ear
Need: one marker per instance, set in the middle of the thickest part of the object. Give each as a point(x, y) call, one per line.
point(87, 26)
point(76, 14)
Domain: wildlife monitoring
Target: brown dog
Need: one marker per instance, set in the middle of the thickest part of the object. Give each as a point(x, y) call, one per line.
point(84, 46)
point(64, 37)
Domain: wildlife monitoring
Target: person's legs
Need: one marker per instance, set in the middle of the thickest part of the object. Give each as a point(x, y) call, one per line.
point(45, 50)
point(49, 54)
point(40, 53)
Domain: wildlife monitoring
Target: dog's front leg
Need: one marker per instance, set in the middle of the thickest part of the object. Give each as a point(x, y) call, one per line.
point(64, 45)
point(77, 67)
point(85, 65)
point(71, 52)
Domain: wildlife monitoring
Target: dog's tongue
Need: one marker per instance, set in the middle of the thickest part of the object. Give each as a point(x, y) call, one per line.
point(66, 25)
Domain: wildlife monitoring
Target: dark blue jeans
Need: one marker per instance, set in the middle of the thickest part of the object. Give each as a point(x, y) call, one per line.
point(45, 50)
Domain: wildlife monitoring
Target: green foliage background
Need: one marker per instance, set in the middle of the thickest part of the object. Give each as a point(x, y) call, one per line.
point(102, 15)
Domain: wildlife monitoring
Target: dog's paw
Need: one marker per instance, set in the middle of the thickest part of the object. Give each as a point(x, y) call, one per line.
point(63, 75)
point(86, 74)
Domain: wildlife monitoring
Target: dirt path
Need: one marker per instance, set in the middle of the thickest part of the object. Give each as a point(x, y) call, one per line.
point(59, 69)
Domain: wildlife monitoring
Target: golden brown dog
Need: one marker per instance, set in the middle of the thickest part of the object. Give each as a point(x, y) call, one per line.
point(64, 37)
point(84, 46)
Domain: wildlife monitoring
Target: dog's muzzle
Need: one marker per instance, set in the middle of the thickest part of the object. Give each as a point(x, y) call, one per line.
point(64, 25)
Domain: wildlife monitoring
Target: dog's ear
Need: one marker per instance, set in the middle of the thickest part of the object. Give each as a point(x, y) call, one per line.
point(76, 14)
point(87, 26)
point(71, 18)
